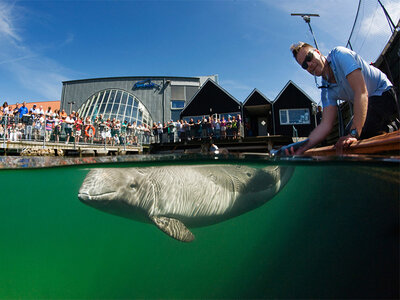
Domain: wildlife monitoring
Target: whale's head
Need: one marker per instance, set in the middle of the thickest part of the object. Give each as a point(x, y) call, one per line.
point(110, 188)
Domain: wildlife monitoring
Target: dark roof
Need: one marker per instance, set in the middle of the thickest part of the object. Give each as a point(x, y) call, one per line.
point(292, 88)
point(256, 98)
point(210, 99)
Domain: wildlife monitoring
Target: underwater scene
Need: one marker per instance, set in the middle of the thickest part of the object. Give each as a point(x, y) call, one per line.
point(190, 227)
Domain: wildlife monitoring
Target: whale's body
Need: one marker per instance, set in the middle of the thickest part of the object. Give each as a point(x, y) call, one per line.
point(173, 197)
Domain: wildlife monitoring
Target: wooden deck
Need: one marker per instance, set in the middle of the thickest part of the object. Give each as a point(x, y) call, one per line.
point(388, 143)
point(249, 144)
point(15, 148)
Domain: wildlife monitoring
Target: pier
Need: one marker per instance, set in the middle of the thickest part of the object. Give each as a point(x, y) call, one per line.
point(37, 148)
point(248, 144)
point(70, 149)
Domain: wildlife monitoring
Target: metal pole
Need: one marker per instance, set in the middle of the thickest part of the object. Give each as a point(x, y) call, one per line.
point(70, 106)
point(5, 131)
point(390, 21)
point(307, 19)
point(44, 133)
point(163, 100)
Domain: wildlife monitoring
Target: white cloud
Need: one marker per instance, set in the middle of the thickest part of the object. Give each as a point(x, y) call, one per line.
point(40, 75)
point(7, 28)
point(29, 68)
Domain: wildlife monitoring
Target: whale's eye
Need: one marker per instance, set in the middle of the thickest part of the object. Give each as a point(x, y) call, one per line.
point(132, 186)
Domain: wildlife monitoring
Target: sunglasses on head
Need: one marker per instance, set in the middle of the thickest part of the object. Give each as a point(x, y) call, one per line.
point(307, 59)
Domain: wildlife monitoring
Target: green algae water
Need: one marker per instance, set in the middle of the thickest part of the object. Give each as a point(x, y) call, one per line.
point(331, 232)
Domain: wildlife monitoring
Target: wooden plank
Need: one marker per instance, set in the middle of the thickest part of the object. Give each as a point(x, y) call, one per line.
point(388, 142)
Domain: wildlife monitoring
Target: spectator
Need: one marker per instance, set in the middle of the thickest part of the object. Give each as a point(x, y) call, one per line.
point(57, 128)
point(16, 112)
point(29, 126)
point(49, 127)
point(187, 130)
point(217, 128)
point(171, 130)
point(33, 110)
point(146, 133)
point(40, 111)
point(178, 127)
point(223, 128)
point(63, 114)
point(160, 132)
point(192, 129)
point(69, 122)
point(134, 133)
point(124, 128)
point(49, 112)
point(102, 129)
point(23, 110)
point(5, 109)
point(155, 132)
point(78, 129)
point(234, 128)
point(197, 129)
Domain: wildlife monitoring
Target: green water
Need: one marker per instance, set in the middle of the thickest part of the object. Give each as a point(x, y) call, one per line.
point(331, 232)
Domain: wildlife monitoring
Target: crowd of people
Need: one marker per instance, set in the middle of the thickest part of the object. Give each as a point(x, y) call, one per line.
point(37, 124)
point(19, 123)
point(204, 128)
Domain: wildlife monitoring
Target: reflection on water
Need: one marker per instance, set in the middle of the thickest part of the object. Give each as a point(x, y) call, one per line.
point(331, 232)
point(173, 197)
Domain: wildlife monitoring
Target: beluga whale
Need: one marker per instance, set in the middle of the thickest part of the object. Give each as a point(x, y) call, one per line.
point(175, 198)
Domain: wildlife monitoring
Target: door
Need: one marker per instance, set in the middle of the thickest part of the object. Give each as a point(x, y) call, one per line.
point(262, 126)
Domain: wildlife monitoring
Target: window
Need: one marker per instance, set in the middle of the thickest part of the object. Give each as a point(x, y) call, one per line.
point(177, 104)
point(178, 92)
point(115, 104)
point(294, 116)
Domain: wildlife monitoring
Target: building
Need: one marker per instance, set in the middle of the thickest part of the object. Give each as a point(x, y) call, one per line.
point(141, 99)
point(211, 99)
point(257, 114)
point(293, 112)
point(290, 114)
point(160, 99)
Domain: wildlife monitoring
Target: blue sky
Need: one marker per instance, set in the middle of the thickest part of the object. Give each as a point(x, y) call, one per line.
point(246, 43)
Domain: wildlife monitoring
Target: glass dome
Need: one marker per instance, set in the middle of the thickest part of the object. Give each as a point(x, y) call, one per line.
point(118, 104)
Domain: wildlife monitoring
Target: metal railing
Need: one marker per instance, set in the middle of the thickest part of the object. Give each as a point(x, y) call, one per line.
point(47, 130)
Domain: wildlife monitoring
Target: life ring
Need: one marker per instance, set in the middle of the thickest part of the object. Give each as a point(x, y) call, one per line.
point(87, 130)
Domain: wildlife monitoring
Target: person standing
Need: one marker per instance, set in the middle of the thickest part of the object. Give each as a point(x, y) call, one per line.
point(49, 127)
point(23, 110)
point(78, 129)
point(69, 122)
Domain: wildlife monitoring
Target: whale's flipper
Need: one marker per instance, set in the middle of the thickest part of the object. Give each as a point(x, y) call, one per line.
point(174, 228)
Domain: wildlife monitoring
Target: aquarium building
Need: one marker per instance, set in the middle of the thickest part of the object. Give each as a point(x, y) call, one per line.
point(141, 99)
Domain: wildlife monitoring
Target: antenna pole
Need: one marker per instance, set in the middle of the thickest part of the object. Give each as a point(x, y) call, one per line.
point(307, 19)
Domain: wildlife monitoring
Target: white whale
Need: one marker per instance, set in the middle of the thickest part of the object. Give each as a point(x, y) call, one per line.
point(173, 197)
